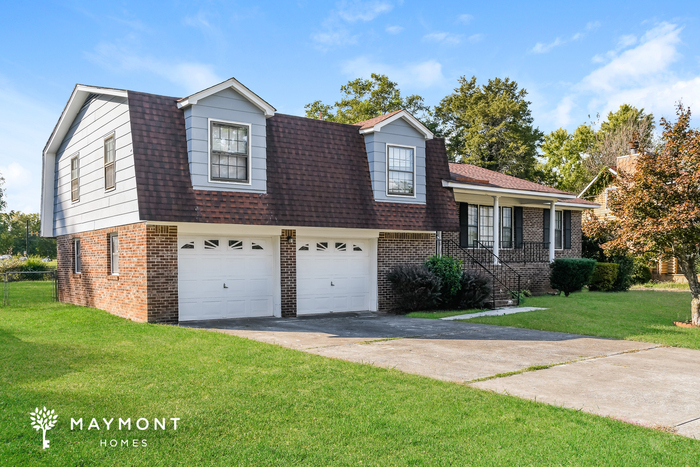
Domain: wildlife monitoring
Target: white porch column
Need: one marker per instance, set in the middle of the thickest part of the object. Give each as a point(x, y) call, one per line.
point(496, 229)
point(552, 226)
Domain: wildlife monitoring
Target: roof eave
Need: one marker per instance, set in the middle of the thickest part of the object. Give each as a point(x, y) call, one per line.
point(253, 98)
point(506, 191)
point(410, 119)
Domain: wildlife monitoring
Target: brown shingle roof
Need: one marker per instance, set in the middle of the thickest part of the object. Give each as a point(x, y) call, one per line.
point(496, 179)
point(317, 176)
point(373, 121)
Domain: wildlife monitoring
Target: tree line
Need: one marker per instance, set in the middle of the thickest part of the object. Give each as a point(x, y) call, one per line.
point(491, 125)
point(13, 232)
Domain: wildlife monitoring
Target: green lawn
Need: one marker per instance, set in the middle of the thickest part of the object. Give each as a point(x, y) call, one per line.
point(662, 286)
point(635, 315)
point(242, 402)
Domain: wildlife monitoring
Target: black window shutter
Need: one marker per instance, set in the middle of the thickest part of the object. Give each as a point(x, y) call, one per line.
point(567, 230)
point(545, 225)
point(518, 223)
point(463, 224)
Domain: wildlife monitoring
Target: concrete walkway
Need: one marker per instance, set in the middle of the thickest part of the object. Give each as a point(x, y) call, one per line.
point(496, 312)
point(633, 381)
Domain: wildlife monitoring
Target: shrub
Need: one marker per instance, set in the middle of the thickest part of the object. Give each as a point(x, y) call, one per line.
point(474, 291)
point(30, 264)
point(641, 274)
point(449, 270)
point(625, 269)
point(604, 276)
point(415, 287)
point(569, 275)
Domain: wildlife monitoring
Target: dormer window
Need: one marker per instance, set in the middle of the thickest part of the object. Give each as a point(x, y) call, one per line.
point(229, 157)
point(401, 171)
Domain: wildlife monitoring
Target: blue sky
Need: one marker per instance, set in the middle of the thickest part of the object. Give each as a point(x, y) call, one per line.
point(575, 60)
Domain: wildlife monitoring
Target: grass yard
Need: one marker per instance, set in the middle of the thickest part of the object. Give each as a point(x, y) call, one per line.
point(242, 402)
point(663, 286)
point(635, 315)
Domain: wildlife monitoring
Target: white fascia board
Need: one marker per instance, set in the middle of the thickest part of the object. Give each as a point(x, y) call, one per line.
point(332, 232)
point(48, 161)
point(410, 119)
point(504, 191)
point(580, 195)
point(577, 205)
point(254, 99)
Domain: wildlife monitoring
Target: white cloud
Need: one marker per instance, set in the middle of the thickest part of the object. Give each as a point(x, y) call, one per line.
point(593, 25)
point(465, 19)
point(447, 38)
point(410, 75)
point(334, 31)
point(541, 48)
point(642, 76)
point(190, 76)
point(352, 11)
point(474, 38)
point(394, 29)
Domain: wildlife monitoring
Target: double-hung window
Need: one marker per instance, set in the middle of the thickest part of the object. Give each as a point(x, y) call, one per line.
point(506, 227)
point(486, 225)
point(472, 225)
point(75, 179)
point(400, 171)
point(229, 158)
point(77, 266)
point(558, 230)
point(113, 254)
point(110, 155)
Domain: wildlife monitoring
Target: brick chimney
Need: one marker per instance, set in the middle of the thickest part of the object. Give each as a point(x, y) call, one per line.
point(627, 163)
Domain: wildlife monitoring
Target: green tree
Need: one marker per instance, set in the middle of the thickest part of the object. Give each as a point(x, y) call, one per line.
point(363, 99)
point(3, 202)
point(13, 230)
point(563, 155)
point(490, 126)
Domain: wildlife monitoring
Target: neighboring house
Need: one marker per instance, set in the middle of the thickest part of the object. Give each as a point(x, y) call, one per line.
point(215, 206)
point(599, 191)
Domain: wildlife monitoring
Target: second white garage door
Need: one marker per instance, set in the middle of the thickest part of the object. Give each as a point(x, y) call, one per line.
point(225, 277)
point(332, 275)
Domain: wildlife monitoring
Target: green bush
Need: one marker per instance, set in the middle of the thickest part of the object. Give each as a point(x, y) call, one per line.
point(415, 287)
point(449, 270)
point(604, 277)
point(569, 275)
point(29, 265)
point(474, 292)
point(625, 269)
point(641, 274)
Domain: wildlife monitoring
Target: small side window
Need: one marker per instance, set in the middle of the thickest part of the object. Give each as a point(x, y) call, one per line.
point(75, 179)
point(110, 156)
point(114, 253)
point(77, 260)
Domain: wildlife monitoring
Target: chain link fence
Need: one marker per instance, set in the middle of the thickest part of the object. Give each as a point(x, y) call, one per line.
point(29, 286)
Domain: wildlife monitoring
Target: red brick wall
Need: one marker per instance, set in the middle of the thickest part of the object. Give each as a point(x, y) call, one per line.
point(124, 295)
point(399, 248)
point(288, 273)
point(162, 274)
point(146, 287)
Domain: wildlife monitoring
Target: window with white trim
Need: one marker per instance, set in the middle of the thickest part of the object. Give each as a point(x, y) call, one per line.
point(506, 227)
point(230, 156)
point(77, 260)
point(558, 230)
point(75, 179)
point(486, 225)
point(113, 254)
point(110, 156)
point(400, 171)
point(472, 224)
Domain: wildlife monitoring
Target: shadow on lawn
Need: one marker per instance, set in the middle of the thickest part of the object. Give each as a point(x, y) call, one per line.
point(28, 362)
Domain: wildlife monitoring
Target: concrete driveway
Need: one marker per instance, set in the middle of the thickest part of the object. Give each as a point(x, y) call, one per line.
point(638, 382)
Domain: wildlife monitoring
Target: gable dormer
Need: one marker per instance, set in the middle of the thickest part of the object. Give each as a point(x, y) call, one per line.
point(395, 145)
point(226, 138)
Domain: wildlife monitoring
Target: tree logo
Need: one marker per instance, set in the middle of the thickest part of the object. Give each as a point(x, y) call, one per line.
point(43, 420)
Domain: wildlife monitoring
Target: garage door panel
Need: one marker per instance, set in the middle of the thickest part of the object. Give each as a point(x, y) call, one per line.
point(248, 274)
point(348, 270)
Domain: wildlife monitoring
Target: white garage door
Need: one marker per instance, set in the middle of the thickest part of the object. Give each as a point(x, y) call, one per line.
point(225, 277)
point(332, 275)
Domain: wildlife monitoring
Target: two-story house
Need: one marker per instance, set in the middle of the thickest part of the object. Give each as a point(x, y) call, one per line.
point(215, 206)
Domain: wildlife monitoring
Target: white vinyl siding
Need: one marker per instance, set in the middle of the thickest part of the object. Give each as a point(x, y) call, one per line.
point(101, 117)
